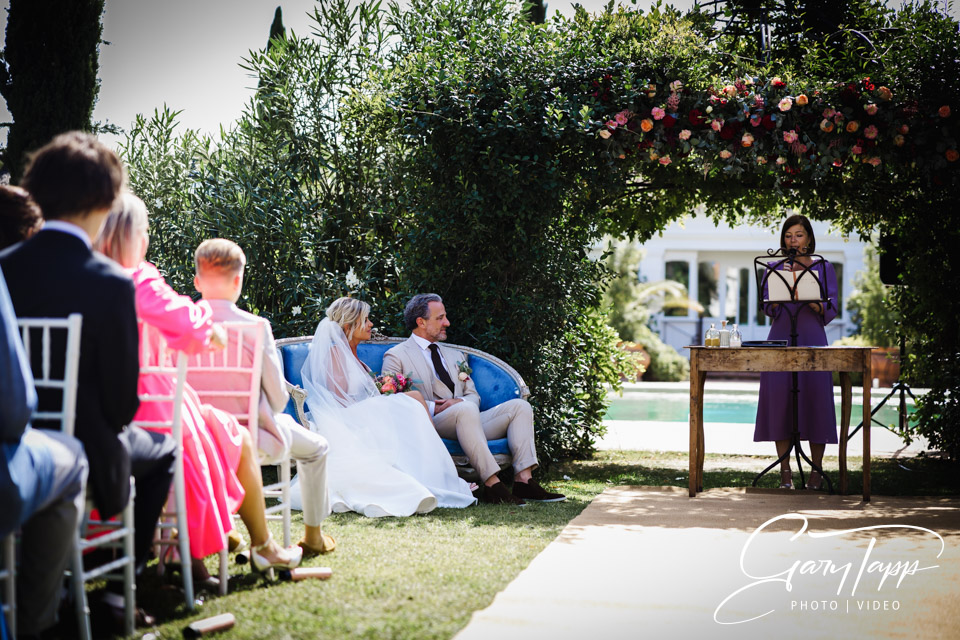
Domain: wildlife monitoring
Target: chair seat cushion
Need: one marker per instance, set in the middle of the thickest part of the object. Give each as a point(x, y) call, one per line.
point(499, 446)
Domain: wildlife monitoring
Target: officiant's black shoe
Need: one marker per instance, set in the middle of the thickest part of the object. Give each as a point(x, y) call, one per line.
point(535, 493)
point(498, 494)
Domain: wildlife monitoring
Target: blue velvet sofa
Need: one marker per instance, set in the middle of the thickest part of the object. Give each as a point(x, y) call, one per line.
point(496, 381)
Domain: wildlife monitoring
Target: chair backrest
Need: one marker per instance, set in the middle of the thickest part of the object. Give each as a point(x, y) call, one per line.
point(229, 378)
point(496, 381)
point(41, 337)
point(161, 410)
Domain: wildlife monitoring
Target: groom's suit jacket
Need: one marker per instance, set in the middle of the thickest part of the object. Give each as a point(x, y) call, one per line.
point(407, 358)
point(52, 275)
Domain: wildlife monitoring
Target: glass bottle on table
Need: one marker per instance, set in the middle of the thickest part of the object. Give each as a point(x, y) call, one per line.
point(736, 338)
point(724, 335)
point(712, 339)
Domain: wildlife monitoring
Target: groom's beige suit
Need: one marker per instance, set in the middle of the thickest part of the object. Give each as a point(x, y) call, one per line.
point(464, 421)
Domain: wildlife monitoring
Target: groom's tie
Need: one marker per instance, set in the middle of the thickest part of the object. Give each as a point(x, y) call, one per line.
point(439, 368)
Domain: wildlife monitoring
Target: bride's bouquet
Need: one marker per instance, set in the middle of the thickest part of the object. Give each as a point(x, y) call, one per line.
point(388, 384)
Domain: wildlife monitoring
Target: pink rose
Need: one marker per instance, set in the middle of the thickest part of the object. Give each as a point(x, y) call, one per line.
point(621, 118)
point(871, 109)
point(658, 113)
point(781, 160)
point(884, 93)
point(665, 160)
point(730, 91)
point(725, 154)
point(786, 104)
point(874, 161)
point(605, 133)
point(746, 140)
point(676, 86)
point(790, 136)
point(761, 159)
point(870, 133)
point(904, 129)
point(828, 113)
point(716, 125)
point(685, 134)
point(612, 124)
point(856, 149)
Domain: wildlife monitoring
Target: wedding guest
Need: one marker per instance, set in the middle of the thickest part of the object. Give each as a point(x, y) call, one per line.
point(221, 471)
point(43, 475)
point(74, 180)
point(219, 279)
point(19, 216)
point(817, 412)
point(454, 404)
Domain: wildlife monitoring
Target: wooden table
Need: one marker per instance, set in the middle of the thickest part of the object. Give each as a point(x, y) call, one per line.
point(842, 359)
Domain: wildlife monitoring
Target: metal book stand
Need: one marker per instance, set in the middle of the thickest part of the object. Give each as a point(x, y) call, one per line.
point(767, 268)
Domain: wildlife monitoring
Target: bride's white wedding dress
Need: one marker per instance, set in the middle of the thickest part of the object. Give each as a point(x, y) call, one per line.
point(385, 457)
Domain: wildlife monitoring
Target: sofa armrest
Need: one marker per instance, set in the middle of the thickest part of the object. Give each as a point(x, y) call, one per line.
point(299, 396)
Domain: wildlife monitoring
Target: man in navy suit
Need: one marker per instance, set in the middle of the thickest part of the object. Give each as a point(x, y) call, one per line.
point(75, 180)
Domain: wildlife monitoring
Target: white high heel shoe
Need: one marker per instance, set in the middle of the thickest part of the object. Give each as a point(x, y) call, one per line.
point(261, 564)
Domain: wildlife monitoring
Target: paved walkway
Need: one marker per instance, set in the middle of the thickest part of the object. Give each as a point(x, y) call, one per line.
point(649, 562)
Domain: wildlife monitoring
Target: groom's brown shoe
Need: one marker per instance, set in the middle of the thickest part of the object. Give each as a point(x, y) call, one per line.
point(498, 494)
point(534, 492)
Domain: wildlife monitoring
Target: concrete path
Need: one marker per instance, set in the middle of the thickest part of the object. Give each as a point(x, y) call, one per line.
point(649, 562)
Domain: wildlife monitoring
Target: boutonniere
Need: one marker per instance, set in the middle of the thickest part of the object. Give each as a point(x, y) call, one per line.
point(464, 370)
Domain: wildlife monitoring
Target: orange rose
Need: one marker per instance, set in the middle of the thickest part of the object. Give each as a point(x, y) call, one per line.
point(826, 125)
point(853, 126)
point(898, 140)
point(944, 111)
point(646, 124)
point(884, 93)
point(802, 100)
point(952, 155)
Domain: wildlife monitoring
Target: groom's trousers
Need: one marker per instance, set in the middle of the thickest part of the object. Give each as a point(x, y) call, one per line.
point(472, 428)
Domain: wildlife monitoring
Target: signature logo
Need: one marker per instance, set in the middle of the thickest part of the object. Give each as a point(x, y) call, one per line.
point(847, 574)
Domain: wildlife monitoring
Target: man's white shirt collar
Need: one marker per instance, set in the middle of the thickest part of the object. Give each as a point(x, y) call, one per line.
point(66, 227)
point(423, 343)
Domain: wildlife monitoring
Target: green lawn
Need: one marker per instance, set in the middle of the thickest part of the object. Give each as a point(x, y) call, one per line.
point(422, 577)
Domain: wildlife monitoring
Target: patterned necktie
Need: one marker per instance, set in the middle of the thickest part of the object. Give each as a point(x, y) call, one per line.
point(439, 368)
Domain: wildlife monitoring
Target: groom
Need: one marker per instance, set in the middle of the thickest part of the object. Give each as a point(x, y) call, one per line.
point(454, 404)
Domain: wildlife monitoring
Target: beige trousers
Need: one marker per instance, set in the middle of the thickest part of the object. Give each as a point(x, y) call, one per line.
point(465, 423)
point(309, 449)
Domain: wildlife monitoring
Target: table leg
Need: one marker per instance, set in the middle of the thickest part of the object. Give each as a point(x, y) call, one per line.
point(696, 414)
point(846, 401)
point(867, 424)
point(701, 448)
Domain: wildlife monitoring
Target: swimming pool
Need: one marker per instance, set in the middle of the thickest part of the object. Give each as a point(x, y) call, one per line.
point(674, 406)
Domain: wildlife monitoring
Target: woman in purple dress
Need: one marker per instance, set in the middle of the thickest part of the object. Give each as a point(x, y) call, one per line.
point(817, 413)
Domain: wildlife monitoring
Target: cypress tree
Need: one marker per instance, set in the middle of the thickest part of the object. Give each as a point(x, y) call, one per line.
point(48, 72)
point(277, 29)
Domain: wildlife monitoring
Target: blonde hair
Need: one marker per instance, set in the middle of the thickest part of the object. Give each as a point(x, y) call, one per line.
point(349, 313)
point(117, 239)
point(220, 256)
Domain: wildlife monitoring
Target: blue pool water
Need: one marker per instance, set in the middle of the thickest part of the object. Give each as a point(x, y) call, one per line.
point(733, 408)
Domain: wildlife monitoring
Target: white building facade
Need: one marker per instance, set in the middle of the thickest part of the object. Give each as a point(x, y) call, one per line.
point(717, 265)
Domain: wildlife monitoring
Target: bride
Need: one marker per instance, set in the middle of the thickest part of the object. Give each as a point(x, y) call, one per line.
point(385, 458)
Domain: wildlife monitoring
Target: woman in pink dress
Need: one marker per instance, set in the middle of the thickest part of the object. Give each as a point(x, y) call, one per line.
point(221, 471)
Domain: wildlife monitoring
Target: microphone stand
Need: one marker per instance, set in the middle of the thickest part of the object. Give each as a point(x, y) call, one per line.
point(768, 268)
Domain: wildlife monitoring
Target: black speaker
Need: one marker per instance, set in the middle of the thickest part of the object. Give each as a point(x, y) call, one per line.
point(889, 259)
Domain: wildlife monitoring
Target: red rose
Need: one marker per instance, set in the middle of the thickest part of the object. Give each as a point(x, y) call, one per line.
point(668, 122)
point(696, 117)
point(768, 123)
